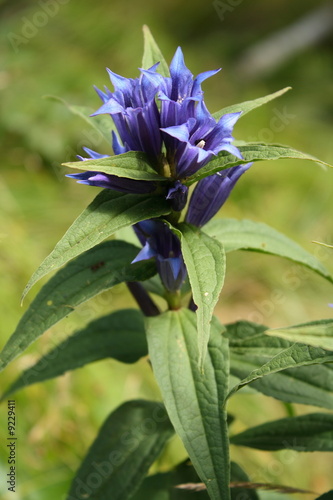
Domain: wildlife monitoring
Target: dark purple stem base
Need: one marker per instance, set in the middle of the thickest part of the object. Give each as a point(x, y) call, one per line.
point(144, 301)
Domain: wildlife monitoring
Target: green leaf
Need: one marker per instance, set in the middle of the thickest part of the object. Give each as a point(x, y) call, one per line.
point(248, 106)
point(326, 496)
point(304, 385)
point(316, 333)
point(101, 123)
point(251, 153)
point(313, 432)
point(152, 54)
point(98, 269)
point(237, 475)
point(154, 285)
point(308, 384)
point(205, 262)
point(251, 348)
point(295, 356)
point(108, 212)
point(258, 237)
point(162, 486)
point(194, 398)
point(119, 335)
point(132, 165)
point(128, 443)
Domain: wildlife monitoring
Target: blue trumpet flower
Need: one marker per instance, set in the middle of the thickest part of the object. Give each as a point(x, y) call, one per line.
point(211, 193)
point(181, 123)
point(200, 138)
point(179, 132)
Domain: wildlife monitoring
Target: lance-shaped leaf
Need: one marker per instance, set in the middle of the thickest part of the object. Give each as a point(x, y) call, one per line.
point(128, 443)
point(258, 237)
point(108, 212)
point(131, 165)
point(152, 53)
point(250, 349)
point(205, 262)
point(193, 397)
point(295, 356)
point(248, 106)
point(98, 269)
point(313, 432)
point(310, 385)
point(119, 335)
point(101, 123)
point(251, 153)
point(316, 333)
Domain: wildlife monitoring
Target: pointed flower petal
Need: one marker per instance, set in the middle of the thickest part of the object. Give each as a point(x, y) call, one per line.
point(180, 132)
point(196, 89)
point(181, 77)
point(124, 185)
point(110, 107)
point(94, 155)
point(145, 254)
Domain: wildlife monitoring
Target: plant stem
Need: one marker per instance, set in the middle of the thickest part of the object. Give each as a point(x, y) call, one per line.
point(143, 299)
point(173, 299)
point(173, 217)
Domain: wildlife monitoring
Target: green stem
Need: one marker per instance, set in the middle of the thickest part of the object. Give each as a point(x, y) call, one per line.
point(173, 299)
point(173, 217)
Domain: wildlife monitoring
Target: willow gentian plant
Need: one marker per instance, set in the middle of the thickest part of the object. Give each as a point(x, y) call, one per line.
point(164, 141)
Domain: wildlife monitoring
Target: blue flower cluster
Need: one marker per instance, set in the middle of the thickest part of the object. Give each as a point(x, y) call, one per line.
point(166, 118)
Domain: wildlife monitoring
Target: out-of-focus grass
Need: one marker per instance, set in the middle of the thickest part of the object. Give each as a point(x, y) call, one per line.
point(59, 419)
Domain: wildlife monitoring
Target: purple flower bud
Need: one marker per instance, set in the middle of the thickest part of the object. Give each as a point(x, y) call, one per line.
point(211, 193)
point(161, 243)
point(178, 196)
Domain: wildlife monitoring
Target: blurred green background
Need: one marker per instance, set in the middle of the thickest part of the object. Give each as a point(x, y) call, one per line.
point(61, 47)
